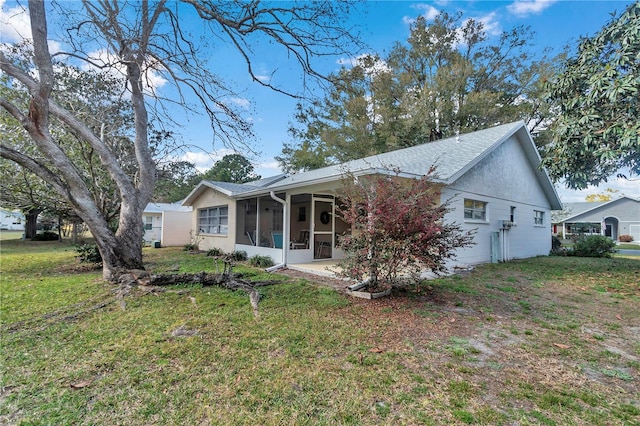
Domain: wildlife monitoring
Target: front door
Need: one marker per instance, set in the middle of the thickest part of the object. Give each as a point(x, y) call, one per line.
point(323, 228)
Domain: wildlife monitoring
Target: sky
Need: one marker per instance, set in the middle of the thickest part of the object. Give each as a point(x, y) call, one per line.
point(556, 23)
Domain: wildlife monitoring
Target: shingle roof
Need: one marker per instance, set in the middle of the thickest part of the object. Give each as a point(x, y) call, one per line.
point(166, 207)
point(581, 208)
point(452, 156)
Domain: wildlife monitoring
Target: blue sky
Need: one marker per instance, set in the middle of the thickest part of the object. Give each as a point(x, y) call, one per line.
point(382, 23)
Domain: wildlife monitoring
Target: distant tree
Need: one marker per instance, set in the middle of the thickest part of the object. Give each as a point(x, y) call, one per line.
point(597, 132)
point(233, 168)
point(607, 195)
point(448, 78)
point(175, 180)
point(138, 39)
point(397, 227)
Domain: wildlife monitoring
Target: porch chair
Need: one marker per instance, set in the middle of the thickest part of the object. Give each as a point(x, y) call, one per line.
point(276, 237)
point(321, 246)
point(252, 239)
point(303, 243)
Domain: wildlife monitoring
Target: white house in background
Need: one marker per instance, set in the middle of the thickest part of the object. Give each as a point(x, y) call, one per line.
point(493, 177)
point(167, 224)
point(619, 217)
point(11, 220)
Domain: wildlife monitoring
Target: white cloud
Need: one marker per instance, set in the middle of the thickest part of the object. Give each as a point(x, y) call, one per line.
point(626, 187)
point(527, 7)
point(152, 80)
point(267, 168)
point(15, 26)
point(266, 79)
point(14, 23)
point(378, 66)
point(490, 25)
point(241, 102)
point(203, 161)
point(426, 10)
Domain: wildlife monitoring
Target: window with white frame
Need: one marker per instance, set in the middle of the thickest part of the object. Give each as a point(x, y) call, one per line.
point(538, 218)
point(476, 210)
point(214, 220)
point(148, 225)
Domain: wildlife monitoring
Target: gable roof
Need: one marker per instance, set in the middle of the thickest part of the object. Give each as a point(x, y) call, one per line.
point(232, 189)
point(574, 209)
point(595, 206)
point(453, 157)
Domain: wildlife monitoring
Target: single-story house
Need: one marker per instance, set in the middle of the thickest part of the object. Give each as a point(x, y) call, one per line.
point(167, 224)
point(11, 220)
point(492, 176)
point(611, 218)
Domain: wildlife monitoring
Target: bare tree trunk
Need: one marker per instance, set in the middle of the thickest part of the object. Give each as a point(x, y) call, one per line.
point(31, 225)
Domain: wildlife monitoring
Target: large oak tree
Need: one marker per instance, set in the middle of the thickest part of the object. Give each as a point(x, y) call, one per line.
point(449, 77)
point(138, 38)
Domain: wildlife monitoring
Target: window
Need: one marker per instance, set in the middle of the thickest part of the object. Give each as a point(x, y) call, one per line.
point(148, 223)
point(214, 220)
point(475, 209)
point(538, 218)
point(512, 217)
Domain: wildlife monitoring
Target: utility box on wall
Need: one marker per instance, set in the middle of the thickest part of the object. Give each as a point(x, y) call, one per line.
point(495, 247)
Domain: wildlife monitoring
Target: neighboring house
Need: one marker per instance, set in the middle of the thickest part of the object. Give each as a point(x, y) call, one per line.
point(492, 176)
point(611, 218)
point(167, 224)
point(11, 220)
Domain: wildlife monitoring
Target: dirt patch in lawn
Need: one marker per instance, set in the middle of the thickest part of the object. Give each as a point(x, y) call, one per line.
point(522, 340)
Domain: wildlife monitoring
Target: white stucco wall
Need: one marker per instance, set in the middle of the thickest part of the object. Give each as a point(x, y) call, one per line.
point(210, 198)
point(11, 221)
point(502, 180)
point(175, 228)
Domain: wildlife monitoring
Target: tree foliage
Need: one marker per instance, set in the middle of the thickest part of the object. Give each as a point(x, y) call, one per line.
point(233, 168)
point(449, 77)
point(598, 95)
point(176, 179)
point(606, 195)
point(397, 228)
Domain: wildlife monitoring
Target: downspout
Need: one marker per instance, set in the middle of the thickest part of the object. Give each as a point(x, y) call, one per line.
point(285, 233)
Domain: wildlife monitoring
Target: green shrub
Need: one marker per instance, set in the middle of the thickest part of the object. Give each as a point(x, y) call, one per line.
point(594, 246)
point(215, 252)
point(238, 255)
point(45, 236)
point(88, 253)
point(261, 261)
point(191, 247)
point(556, 244)
point(625, 238)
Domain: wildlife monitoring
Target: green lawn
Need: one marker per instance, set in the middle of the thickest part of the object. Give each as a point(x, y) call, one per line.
point(544, 341)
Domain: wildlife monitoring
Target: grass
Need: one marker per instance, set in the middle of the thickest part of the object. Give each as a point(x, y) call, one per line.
point(627, 246)
point(508, 344)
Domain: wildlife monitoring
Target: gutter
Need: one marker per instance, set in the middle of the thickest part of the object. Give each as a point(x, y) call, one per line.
point(285, 233)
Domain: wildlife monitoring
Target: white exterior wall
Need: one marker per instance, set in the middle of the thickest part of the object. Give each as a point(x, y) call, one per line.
point(210, 198)
point(502, 180)
point(155, 233)
point(175, 228)
point(11, 221)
